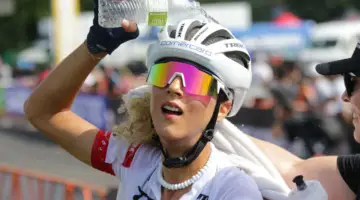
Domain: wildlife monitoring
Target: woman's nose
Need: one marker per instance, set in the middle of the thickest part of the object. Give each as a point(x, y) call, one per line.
point(175, 87)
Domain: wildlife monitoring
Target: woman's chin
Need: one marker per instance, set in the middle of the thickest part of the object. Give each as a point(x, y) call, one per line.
point(170, 136)
point(168, 130)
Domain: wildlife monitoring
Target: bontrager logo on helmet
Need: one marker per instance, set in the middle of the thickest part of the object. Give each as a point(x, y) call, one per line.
point(196, 37)
point(186, 45)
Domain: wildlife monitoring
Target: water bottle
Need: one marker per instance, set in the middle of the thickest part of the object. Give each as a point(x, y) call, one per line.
point(307, 190)
point(151, 12)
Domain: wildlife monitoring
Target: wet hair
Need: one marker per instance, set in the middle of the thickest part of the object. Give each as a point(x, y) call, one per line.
point(138, 128)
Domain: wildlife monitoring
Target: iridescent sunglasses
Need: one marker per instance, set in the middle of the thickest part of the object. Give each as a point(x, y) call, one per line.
point(195, 81)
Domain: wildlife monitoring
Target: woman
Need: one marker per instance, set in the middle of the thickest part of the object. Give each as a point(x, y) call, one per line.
point(197, 71)
point(340, 175)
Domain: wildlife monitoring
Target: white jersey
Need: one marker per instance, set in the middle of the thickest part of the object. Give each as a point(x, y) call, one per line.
point(136, 166)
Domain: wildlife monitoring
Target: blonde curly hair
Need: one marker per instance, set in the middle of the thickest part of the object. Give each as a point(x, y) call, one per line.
point(138, 128)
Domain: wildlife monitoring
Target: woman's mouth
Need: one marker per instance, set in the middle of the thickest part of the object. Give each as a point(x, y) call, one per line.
point(171, 110)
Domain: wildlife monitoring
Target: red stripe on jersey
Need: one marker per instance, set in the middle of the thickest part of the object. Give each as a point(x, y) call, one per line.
point(130, 155)
point(99, 150)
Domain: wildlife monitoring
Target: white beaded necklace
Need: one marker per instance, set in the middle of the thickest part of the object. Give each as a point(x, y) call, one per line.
point(187, 183)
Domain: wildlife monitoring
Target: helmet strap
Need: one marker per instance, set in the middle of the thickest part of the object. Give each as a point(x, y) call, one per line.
point(195, 151)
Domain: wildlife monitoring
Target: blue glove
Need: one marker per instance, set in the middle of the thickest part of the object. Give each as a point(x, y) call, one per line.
point(101, 39)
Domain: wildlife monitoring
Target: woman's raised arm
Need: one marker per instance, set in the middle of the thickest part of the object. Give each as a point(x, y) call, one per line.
point(48, 107)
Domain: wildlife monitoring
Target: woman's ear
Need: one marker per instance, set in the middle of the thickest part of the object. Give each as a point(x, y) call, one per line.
point(224, 110)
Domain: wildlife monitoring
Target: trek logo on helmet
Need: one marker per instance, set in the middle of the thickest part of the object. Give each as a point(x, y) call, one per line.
point(232, 45)
point(186, 45)
point(181, 29)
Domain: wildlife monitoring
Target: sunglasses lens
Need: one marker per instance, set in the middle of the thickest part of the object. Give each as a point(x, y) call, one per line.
point(196, 82)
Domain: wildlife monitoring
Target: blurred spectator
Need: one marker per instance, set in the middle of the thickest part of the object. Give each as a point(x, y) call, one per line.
point(114, 83)
point(6, 79)
point(90, 85)
point(262, 71)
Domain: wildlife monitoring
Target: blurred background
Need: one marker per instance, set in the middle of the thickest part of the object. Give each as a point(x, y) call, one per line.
point(289, 104)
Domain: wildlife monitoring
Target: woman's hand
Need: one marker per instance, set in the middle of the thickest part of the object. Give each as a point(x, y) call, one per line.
point(129, 26)
point(107, 40)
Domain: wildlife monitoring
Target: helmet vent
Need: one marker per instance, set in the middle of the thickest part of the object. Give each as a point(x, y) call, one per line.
point(216, 37)
point(192, 32)
point(237, 57)
point(173, 34)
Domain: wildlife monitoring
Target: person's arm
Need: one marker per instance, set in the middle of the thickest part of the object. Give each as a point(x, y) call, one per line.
point(323, 168)
point(48, 107)
point(282, 159)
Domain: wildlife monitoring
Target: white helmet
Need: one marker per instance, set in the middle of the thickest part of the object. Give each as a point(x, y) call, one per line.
point(212, 46)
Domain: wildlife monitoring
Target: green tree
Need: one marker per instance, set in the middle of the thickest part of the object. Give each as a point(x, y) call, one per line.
point(319, 10)
point(18, 30)
point(86, 4)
